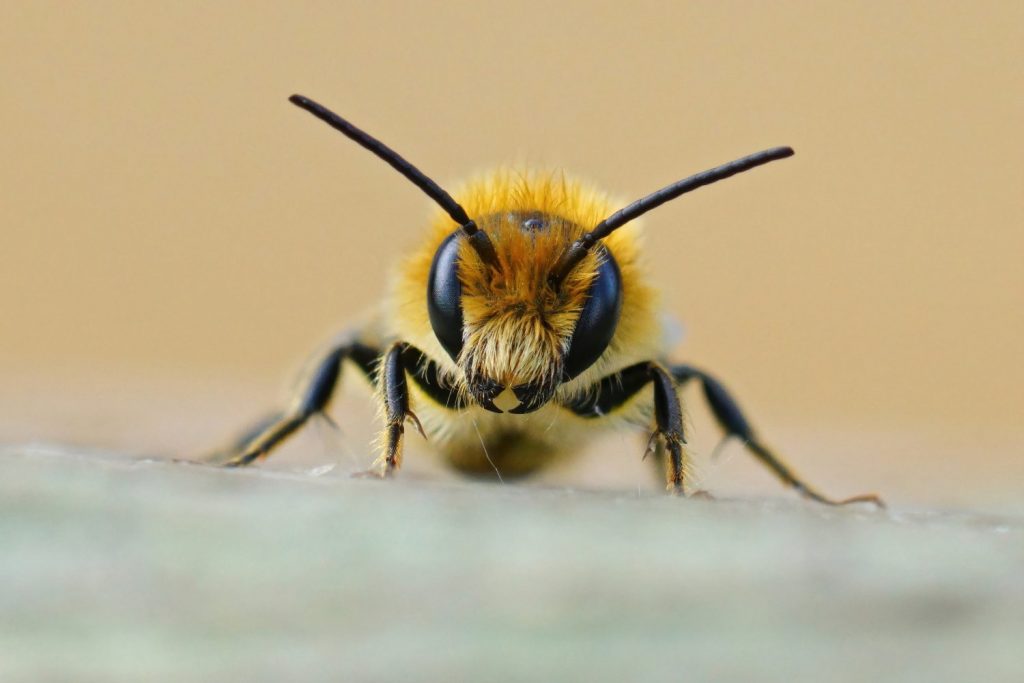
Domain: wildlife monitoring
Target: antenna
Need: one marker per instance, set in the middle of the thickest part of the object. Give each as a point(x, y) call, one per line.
point(477, 239)
point(571, 258)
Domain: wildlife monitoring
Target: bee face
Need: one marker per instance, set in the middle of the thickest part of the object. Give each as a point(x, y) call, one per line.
point(525, 294)
point(505, 325)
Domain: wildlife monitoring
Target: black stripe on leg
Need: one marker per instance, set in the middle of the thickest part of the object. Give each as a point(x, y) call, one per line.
point(612, 391)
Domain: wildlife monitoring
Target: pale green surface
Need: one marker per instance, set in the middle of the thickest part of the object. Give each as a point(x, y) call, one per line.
point(115, 569)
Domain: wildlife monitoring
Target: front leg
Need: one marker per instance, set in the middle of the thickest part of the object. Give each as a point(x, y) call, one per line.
point(613, 391)
point(394, 388)
point(668, 418)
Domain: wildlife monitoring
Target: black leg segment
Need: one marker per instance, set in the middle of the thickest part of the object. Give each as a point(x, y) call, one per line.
point(313, 398)
point(395, 387)
point(614, 390)
point(668, 416)
point(390, 372)
point(735, 424)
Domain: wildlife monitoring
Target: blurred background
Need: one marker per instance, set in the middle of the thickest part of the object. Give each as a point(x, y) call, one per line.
point(177, 238)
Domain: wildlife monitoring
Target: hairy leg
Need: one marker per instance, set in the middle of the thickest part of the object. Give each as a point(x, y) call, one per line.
point(614, 390)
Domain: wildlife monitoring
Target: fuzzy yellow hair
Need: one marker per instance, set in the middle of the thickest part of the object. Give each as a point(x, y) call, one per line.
point(517, 329)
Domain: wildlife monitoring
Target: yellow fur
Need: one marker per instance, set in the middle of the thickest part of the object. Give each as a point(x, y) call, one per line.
point(517, 320)
point(517, 328)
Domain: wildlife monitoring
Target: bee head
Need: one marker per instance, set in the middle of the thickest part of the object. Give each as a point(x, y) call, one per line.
point(524, 295)
point(505, 324)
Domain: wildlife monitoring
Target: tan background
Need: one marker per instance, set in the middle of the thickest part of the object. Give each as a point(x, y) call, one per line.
point(176, 236)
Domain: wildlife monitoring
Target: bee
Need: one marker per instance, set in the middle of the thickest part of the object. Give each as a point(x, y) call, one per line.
point(521, 325)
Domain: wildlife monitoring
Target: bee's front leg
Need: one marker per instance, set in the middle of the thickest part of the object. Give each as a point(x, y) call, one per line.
point(668, 418)
point(394, 388)
point(615, 390)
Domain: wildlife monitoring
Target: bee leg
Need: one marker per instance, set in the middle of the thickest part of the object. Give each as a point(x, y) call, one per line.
point(615, 390)
point(223, 455)
point(668, 418)
point(729, 416)
point(394, 386)
point(312, 399)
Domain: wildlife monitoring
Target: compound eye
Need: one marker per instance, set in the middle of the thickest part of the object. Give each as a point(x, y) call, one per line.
point(444, 296)
point(596, 326)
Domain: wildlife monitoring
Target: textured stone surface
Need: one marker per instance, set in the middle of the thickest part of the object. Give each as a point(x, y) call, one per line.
point(113, 568)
